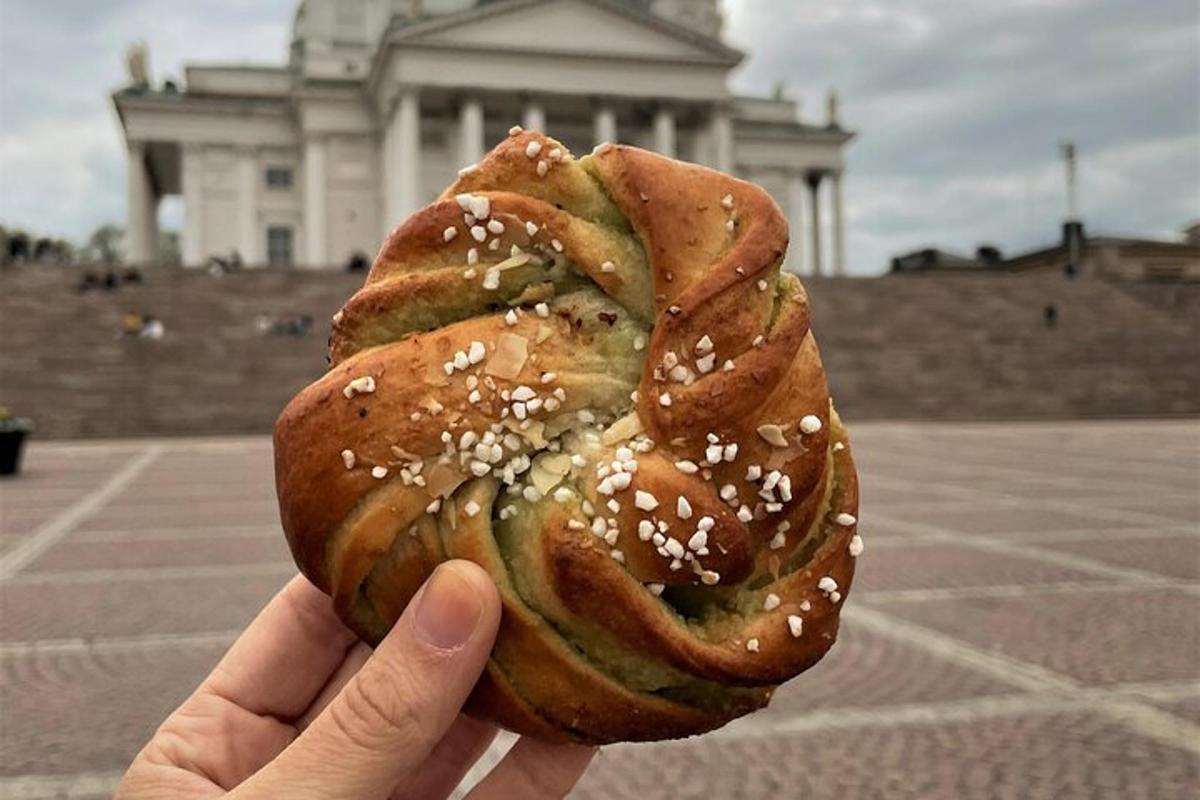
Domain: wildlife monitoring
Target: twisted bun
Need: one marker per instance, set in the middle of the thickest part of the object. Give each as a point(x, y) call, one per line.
point(591, 378)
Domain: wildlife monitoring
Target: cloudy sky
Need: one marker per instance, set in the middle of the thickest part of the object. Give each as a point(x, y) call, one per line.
point(960, 106)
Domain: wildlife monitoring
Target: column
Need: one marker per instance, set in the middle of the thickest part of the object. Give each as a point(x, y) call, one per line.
point(839, 240)
point(534, 117)
point(152, 222)
point(664, 131)
point(406, 141)
point(795, 194)
point(248, 180)
point(604, 125)
point(192, 177)
point(140, 239)
point(387, 185)
point(315, 188)
point(470, 131)
point(722, 138)
point(814, 185)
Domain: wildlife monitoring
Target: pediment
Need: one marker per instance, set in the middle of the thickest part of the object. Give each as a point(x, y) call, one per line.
point(591, 27)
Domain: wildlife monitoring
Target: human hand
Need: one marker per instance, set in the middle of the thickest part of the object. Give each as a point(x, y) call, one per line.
point(299, 708)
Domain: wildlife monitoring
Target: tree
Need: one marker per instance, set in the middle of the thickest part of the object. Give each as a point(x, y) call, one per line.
point(55, 251)
point(105, 244)
point(18, 247)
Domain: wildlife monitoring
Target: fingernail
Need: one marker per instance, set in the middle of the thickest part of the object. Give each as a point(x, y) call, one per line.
point(448, 609)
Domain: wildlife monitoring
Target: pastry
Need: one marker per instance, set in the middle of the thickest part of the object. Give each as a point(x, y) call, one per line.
point(591, 377)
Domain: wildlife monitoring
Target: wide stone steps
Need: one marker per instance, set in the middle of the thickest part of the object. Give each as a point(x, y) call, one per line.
point(906, 346)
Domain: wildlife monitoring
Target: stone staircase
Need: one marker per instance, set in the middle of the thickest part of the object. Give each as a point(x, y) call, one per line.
point(971, 346)
point(957, 346)
point(64, 363)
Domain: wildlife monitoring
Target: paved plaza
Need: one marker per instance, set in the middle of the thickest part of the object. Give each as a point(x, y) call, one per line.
point(1025, 622)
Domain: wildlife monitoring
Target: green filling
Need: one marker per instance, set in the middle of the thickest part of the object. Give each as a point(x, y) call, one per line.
point(422, 314)
point(518, 540)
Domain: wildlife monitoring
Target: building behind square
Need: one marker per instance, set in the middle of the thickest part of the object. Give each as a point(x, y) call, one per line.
point(380, 102)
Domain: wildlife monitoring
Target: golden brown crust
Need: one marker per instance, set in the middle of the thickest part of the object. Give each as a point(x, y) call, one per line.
point(665, 556)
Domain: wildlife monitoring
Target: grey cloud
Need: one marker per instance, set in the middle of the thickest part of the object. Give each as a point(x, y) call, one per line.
point(29, 16)
point(60, 150)
point(961, 107)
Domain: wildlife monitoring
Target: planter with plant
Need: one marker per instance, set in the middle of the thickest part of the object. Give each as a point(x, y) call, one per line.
point(13, 431)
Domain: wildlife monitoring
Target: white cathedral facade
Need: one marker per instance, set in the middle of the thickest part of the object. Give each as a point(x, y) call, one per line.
point(382, 101)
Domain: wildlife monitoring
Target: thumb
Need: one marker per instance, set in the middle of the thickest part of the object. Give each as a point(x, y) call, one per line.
point(383, 724)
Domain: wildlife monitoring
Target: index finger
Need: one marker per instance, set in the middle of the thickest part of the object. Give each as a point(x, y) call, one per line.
point(281, 662)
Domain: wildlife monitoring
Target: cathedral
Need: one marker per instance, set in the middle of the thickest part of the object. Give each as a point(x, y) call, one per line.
point(306, 163)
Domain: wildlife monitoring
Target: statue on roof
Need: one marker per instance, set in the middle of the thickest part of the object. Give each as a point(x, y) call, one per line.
point(832, 110)
point(137, 64)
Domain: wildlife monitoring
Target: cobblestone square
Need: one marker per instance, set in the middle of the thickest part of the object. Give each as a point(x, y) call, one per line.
point(1025, 624)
